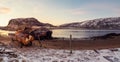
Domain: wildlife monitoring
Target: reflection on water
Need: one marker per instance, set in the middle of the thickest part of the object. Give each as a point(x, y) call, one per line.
point(80, 33)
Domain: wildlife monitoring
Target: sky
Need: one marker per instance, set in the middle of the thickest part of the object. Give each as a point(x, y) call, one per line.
point(58, 12)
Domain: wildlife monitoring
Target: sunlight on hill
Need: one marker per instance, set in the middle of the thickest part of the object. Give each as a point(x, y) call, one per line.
point(5, 33)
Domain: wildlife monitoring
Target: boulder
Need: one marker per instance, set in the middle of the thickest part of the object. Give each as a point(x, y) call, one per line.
point(41, 34)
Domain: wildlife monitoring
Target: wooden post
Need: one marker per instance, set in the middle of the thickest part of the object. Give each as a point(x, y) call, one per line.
point(70, 44)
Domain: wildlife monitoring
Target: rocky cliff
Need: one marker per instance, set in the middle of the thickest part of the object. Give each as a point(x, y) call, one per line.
point(19, 22)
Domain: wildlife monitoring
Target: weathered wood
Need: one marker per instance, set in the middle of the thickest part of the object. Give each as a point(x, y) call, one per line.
point(70, 44)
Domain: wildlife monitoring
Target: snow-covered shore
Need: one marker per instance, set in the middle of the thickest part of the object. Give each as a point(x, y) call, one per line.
point(35, 54)
point(8, 55)
point(55, 55)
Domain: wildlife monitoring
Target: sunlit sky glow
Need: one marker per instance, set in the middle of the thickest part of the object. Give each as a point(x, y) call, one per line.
point(58, 12)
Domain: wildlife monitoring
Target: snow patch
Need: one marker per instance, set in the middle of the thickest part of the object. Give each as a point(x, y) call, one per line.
point(55, 55)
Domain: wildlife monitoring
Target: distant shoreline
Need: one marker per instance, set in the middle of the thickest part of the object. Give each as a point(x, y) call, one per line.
point(7, 33)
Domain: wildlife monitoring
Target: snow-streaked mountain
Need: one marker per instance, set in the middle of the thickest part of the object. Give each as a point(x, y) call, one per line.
point(20, 22)
point(101, 23)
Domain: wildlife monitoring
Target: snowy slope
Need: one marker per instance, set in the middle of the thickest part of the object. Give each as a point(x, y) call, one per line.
point(101, 23)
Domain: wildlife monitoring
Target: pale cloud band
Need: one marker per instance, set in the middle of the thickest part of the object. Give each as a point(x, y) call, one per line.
point(78, 12)
point(95, 8)
point(4, 10)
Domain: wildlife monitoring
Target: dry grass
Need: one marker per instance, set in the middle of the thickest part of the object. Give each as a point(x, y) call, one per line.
point(76, 44)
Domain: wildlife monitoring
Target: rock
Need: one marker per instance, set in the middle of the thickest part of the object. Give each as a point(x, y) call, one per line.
point(55, 61)
point(2, 49)
point(41, 34)
point(1, 59)
point(111, 58)
point(109, 35)
point(14, 60)
point(8, 50)
point(114, 49)
point(24, 60)
point(13, 55)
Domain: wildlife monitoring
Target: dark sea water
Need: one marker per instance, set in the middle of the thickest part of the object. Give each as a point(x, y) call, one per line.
point(81, 33)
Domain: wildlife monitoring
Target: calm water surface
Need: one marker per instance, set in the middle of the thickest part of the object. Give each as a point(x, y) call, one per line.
point(81, 33)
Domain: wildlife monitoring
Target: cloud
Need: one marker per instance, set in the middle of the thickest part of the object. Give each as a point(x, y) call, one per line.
point(116, 11)
point(103, 6)
point(4, 10)
point(78, 11)
point(96, 8)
